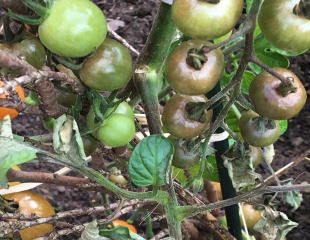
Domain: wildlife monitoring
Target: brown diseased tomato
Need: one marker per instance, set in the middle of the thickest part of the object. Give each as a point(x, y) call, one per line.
point(32, 203)
point(187, 80)
point(268, 101)
point(176, 121)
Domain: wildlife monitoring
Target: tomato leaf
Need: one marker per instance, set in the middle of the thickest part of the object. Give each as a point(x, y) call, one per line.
point(12, 152)
point(67, 140)
point(293, 198)
point(274, 224)
point(283, 126)
point(247, 78)
point(150, 161)
point(241, 171)
point(91, 232)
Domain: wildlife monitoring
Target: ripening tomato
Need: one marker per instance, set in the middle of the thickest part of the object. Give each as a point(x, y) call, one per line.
point(184, 78)
point(123, 223)
point(73, 28)
point(283, 27)
point(109, 68)
point(251, 215)
point(13, 113)
point(176, 121)
point(32, 203)
point(268, 101)
point(206, 20)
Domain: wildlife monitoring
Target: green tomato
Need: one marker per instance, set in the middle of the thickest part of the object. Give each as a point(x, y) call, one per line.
point(122, 108)
point(109, 68)
point(117, 130)
point(282, 27)
point(255, 132)
point(205, 20)
point(73, 28)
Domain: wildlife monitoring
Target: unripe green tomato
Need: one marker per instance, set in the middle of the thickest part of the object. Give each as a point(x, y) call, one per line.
point(187, 80)
point(121, 108)
point(109, 68)
point(270, 103)
point(253, 134)
point(67, 99)
point(73, 28)
point(205, 20)
point(117, 130)
point(282, 27)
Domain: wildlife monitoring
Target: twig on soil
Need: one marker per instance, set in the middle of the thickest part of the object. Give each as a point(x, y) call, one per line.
point(163, 233)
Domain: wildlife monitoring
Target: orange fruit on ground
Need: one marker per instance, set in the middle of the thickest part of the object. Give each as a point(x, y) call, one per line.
point(123, 223)
point(32, 203)
point(11, 111)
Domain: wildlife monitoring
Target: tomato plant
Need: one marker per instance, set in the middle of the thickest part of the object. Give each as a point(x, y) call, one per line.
point(33, 203)
point(284, 26)
point(266, 93)
point(176, 121)
point(206, 19)
point(109, 68)
point(184, 78)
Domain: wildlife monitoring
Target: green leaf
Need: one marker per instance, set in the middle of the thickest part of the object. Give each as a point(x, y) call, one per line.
point(293, 198)
point(67, 140)
point(274, 225)
point(240, 169)
point(13, 153)
point(247, 78)
point(32, 99)
point(91, 232)
point(283, 126)
point(150, 161)
point(232, 121)
point(266, 55)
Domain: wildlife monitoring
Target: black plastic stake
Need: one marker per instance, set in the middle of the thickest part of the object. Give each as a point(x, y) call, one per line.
point(228, 191)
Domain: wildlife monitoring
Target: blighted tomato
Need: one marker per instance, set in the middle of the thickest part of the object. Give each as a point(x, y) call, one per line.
point(13, 113)
point(266, 96)
point(32, 203)
point(176, 121)
point(184, 78)
point(206, 19)
point(109, 68)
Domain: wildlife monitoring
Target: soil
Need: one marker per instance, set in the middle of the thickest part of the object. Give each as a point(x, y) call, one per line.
point(134, 19)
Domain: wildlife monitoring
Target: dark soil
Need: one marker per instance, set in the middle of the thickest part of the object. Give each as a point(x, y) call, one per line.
point(135, 19)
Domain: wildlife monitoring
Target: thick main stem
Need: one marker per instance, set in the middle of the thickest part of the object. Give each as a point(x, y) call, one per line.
point(149, 66)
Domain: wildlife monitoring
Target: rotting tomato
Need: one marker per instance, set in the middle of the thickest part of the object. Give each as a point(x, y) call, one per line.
point(73, 28)
point(184, 78)
point(183, 157)
point(176, 121)
point(123, 223)
point(90, 145)
point(206, 19)
point(251, 215)
point(13, 113)
point(109, 68)
point(257, 155)
point(267, 99)
point(257, 131)
point(32, 203)
point(283, 27)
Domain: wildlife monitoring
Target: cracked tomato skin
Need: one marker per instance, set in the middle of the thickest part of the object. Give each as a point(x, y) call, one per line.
point(255, 136)
point(268, 102)
point(283, 28)
point(109, 68)
point(199, 19)
point(73, 28)
point(13, 113)
point(32, 203)
point(187, 80)
point(177, 123)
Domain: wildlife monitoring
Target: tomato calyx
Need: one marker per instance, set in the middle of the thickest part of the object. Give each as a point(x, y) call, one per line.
point(287, 87)
point(263, 124)
point(212, 1)
point(196, 111)
point(196, 57)
point(302, 9)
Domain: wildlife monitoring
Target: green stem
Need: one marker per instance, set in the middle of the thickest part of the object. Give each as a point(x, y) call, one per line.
point(150, 65)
